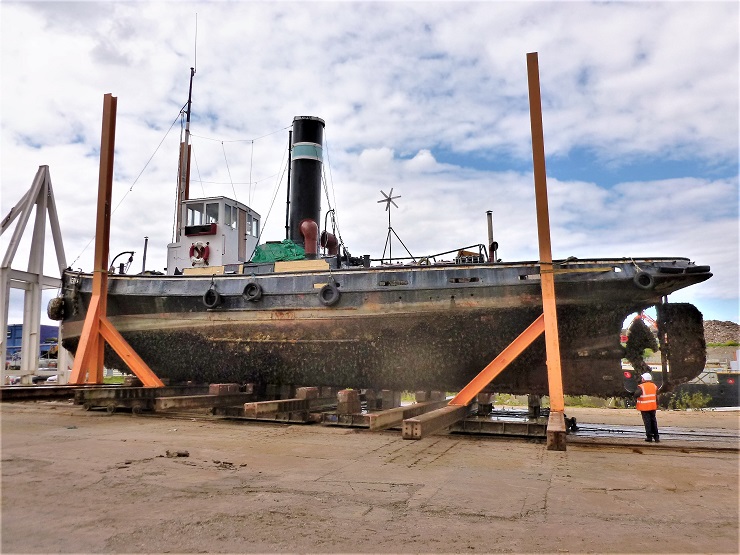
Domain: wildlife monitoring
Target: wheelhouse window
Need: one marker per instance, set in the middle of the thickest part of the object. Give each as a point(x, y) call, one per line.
point(230, 216)
point(195, 214)
point(211, 213)
point(253, 226)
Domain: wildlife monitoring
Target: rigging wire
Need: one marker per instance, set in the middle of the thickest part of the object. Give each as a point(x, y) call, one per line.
point(135, 181)
point(238, 182)
point(195, 47)
point(251, 182)
point(197, 169)
point(274, 196)
point(331, 176)
point(241, 140)
point(251, 158)
point(228, 170)
point(333, 211)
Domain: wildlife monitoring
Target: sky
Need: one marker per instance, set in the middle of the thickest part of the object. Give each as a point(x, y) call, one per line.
point(640, 114)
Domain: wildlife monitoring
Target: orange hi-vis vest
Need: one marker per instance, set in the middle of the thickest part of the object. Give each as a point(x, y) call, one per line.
point(649, 398)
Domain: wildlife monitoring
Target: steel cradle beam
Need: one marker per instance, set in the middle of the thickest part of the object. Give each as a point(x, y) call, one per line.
point(201, 401)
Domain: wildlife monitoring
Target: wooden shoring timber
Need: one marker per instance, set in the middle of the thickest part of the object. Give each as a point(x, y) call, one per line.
point(498, 364)
point(393, 417)
point(556, 425)
point(97, 329)
point(547, 322)
point(432, 422)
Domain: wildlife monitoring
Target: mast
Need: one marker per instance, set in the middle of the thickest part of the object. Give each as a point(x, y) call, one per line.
point(287, 202)
point(183, 178)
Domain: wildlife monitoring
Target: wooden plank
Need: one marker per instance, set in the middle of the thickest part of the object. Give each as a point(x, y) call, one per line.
point(552, 341)
point(556, 431)
point(498, 364)
point(432, 422)
point(301, 266)
point(204, 271)
point(128, 355)
point(394, 417)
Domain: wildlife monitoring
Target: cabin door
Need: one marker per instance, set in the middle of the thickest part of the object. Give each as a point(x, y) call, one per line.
point(242, 232)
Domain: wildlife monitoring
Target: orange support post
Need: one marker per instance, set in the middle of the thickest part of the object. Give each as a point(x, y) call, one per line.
point(556, 424)
point(88, 365)
point(497, 365)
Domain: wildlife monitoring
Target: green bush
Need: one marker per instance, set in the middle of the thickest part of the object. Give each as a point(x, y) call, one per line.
point(510, 400)
point(683, 401)
point(725, 344)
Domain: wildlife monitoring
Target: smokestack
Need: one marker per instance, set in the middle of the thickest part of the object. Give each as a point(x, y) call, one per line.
point(492, 245)
point(305, 191)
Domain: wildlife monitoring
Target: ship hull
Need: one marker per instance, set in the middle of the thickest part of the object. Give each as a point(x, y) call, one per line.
point(403, 328)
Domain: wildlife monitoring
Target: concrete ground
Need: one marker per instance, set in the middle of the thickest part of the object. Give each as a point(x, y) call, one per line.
point(86, 482)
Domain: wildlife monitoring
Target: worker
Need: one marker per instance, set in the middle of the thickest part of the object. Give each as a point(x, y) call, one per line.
point(647, 403)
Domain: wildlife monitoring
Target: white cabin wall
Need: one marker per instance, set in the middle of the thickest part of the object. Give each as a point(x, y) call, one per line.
point(224, 244)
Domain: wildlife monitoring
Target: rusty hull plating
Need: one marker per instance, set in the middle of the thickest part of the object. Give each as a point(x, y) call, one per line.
point(396, 327)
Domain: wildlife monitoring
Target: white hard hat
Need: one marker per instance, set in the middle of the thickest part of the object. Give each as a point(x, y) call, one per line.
point(647, 377)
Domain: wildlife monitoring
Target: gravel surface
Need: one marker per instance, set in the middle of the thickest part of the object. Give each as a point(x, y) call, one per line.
point(86, 482)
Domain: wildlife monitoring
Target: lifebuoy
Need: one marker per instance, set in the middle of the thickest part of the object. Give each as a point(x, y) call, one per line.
point(199, 253)
point(643, 280)
point(211, 298)
point(253, 291)
point(329, 294)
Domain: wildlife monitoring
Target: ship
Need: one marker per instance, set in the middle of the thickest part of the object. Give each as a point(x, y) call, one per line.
point(303, 311)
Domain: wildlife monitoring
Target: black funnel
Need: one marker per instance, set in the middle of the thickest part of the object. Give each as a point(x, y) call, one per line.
point(305, 187)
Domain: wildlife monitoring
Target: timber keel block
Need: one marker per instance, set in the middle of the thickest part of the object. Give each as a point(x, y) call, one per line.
point(430, 423)
point(556, 431)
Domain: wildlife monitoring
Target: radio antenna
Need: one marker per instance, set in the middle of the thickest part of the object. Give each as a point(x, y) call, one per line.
point(195, 56)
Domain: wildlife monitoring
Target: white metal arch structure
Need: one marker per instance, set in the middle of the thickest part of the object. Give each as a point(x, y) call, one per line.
point(32, 281)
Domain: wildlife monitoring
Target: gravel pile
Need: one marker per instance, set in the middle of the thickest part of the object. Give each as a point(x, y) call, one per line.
point(716, 331)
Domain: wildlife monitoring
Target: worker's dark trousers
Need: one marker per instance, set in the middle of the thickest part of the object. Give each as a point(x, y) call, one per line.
point(651, 424)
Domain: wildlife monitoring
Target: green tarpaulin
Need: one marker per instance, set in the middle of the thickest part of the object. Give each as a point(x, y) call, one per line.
point(278, 252)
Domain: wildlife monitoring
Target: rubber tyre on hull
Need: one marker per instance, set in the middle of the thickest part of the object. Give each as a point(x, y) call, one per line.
point(253, 291)
point(643, 280)
point(329, 294)
point(211, 298)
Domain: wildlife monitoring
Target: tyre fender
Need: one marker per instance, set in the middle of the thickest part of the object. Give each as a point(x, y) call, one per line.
point(253, 291)
point(211, 298)
point(643, 280)
point(329, 294)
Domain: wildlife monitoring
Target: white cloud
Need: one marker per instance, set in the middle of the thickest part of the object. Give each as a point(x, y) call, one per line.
point(398, 84)
point(423, 162)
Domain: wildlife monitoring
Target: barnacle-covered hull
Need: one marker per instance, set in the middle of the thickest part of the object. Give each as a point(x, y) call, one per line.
point(394, 327)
